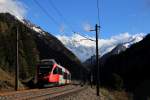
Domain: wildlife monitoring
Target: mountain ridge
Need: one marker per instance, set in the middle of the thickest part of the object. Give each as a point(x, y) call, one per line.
point(84, 49)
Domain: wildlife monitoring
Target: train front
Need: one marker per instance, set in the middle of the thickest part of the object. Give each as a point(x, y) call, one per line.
point(43, 73)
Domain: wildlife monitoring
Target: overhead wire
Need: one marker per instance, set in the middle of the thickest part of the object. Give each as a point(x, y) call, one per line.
point(86, 38)
point(66, 21)
point(45, 11)
point(61, 15)
point(98, 16)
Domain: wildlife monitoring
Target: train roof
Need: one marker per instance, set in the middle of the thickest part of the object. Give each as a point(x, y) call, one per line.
point(47, 61)
point(52, 61)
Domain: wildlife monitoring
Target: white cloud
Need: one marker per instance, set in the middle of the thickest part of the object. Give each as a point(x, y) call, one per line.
point(87, 26)
point(84, 49)
point(14, 7)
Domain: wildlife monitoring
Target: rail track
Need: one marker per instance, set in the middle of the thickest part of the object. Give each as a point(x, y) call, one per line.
point(42, 94)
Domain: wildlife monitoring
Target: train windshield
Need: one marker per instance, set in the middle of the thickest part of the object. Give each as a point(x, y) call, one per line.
point(45, 69)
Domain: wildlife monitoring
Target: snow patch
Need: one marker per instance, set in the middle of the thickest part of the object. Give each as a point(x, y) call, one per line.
point(34, 27)
point(38, 30)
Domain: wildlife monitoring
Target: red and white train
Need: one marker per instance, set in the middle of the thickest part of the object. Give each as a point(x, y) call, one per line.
point(51, 73)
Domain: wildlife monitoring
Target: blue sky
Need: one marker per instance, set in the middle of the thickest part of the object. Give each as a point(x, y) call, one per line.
point(116, 16)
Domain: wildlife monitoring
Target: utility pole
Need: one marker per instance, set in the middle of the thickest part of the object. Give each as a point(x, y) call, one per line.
point(97, 61)
point(17, 62)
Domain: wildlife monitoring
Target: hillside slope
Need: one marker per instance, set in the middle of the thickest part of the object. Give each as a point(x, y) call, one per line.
point(6, 81)
point(129, 70)
point(33, 46)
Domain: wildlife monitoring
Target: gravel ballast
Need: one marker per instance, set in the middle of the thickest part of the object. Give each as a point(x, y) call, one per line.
point(86, 94)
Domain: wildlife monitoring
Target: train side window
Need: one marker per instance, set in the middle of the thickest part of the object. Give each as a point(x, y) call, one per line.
point(65, 75)
point(55, 70)
point(60, 71)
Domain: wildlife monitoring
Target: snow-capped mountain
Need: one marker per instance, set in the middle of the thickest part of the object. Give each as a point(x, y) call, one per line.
point(84, 48)
point(34, 27)
point(92, 60)
point(18, 10)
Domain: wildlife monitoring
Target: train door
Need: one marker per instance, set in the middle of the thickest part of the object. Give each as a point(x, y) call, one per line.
point(54, 77)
